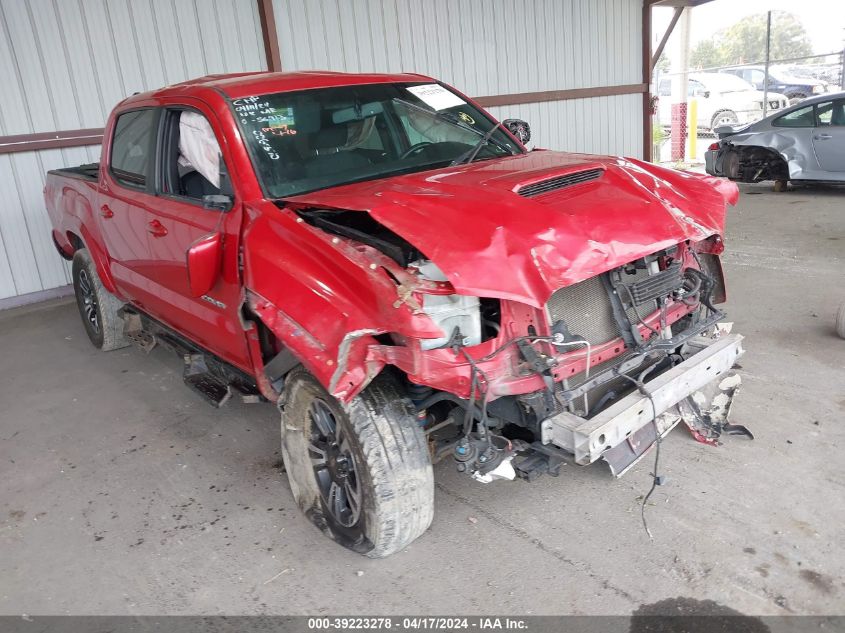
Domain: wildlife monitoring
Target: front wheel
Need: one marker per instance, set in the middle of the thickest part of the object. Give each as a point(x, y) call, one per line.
point(360, 472)
point(97, 306)
point(725, 117)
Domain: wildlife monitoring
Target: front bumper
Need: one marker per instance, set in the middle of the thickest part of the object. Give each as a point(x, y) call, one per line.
point(622, 433)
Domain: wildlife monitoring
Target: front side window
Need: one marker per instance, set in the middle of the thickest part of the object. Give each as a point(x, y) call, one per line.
point(695, 88)
point(757, 76)
point(191, 156)
point(313, 139)
point(802, 117)
point(133, 145)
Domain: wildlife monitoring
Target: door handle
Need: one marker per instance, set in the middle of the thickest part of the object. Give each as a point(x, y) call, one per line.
point(822, 137)
point(157, 229)
point(106, 212)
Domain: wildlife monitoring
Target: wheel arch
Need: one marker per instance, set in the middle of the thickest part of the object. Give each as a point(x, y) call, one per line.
point(82, 238)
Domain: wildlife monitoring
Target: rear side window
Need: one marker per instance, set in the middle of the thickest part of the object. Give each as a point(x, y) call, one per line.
point(133, 146)
point(831, 113)
point(802, 117)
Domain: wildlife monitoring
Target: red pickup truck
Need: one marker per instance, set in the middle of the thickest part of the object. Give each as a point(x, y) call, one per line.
point(390, 265)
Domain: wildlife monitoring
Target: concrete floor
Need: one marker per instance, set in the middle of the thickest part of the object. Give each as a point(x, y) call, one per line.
point(121, 492)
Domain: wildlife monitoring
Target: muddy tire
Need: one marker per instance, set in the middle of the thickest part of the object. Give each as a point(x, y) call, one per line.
point(97, 306)
point(840, 321)
point(360, 472)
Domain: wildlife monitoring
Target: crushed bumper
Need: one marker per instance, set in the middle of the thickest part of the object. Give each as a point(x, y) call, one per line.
point(710, 162)
point(698, 390)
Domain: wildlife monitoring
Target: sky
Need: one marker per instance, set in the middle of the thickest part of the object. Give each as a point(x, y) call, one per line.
point(823, 19)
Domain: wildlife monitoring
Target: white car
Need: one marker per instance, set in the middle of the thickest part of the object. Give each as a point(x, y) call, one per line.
point(722, 99)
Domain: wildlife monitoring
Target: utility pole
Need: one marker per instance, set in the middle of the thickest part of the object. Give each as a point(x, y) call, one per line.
point(766, 71)
point(680, 88)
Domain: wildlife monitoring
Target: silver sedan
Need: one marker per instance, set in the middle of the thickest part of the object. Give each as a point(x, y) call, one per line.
point(805, 142)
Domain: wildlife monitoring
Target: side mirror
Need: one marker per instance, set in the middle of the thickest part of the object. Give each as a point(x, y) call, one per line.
point(519, 128)
point(204, 258)
point(217, 202)
point(706, 94)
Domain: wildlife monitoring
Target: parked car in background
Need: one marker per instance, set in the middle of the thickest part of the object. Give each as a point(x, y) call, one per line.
point(721, 100)
point(828, 72)
point(805, 142)
point(795, 88)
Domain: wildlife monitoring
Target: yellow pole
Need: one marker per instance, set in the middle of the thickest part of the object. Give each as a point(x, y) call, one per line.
point(693, 127)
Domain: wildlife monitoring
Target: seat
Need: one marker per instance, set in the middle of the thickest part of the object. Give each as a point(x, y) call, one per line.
point(328, 153)
point(195, 185)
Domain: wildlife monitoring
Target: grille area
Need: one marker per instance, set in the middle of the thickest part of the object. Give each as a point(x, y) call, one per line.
point(559, 182)
point(586, 309)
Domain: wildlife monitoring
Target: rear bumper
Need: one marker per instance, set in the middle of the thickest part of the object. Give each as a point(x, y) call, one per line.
point(710, 162)
point(622, 433)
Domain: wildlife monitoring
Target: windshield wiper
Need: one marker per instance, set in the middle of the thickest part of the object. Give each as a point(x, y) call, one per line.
point(469, 155)
point(449, 118)
point(442, 116)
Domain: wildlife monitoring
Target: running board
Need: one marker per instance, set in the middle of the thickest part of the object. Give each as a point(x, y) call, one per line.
point(210, 377)
point(199, 378)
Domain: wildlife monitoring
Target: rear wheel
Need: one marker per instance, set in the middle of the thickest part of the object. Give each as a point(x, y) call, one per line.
point(360, 472)
point(97, 306)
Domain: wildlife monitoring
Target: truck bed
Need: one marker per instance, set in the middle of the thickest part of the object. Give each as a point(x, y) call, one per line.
point(88, 171)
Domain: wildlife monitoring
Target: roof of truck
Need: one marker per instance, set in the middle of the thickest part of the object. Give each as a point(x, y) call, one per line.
point(240, 85)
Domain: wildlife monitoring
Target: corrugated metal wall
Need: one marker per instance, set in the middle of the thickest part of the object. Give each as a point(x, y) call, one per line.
point(489, 47)
point(64, 64)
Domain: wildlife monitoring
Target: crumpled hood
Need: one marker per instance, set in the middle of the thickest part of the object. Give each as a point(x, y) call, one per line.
point(491, 241)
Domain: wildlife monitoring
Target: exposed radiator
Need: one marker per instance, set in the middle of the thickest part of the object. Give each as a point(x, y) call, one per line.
point(586, 310)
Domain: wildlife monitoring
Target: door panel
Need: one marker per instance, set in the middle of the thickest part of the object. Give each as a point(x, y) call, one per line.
point(829, 137)
point(173, 221)
point(211, 320)
point(125, 184)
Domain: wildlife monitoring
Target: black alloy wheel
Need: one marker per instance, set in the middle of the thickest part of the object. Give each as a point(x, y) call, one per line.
point(334, 466)
point(88, 301)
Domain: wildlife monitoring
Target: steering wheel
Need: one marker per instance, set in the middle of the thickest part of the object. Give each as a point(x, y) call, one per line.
point(415, 149)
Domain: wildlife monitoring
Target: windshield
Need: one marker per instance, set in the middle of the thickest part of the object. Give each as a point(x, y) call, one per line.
point(724, 82)
point(313, 139)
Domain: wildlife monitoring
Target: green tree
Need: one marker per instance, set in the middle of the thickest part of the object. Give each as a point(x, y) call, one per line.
point(745, 42)
point(705, 54)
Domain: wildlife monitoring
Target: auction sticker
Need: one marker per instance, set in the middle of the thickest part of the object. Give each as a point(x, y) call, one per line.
point(436, 96)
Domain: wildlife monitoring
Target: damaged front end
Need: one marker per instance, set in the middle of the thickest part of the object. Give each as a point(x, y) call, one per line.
point(545, 335)
point(607, 366)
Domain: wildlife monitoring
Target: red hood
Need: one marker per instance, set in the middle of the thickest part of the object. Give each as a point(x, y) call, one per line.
point(493, 242)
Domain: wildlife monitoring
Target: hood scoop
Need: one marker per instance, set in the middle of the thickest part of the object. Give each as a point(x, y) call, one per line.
point(558, 182)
